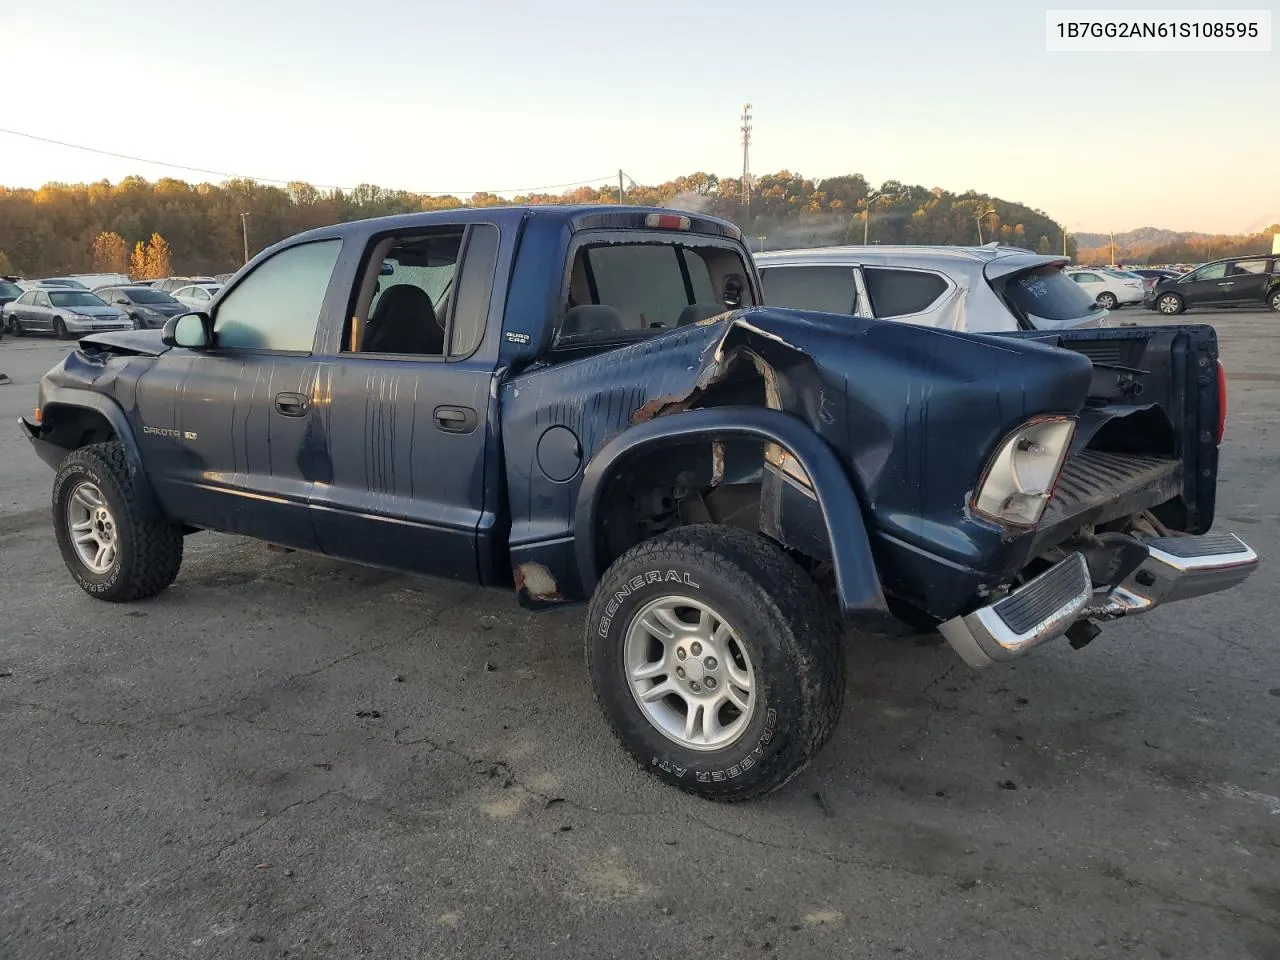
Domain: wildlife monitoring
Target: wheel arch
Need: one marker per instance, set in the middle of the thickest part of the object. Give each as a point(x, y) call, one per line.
point(797, 458)
point(73, 419)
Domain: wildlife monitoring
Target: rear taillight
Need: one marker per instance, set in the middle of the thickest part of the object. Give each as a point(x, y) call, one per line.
point(1222, 400)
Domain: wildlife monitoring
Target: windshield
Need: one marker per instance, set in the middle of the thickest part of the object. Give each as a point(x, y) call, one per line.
point(8, 289)
point(74, 298)
point(1049, 293)
point(146, 295)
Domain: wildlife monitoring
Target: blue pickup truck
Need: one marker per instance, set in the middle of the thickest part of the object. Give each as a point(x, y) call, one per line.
point(591, 403)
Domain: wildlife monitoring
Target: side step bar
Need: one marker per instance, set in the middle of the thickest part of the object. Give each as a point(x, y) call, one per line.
point(1176, 568)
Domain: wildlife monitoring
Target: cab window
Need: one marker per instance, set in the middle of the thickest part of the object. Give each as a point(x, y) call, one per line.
point(621, 291)
point(425, 295)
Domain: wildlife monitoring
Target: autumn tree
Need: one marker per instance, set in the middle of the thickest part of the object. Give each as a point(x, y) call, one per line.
point(159, 260)
point(138, 262)
point(110, 254)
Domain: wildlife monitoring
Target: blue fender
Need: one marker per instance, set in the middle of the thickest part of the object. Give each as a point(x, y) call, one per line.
point(857, 583)
point(64, 398)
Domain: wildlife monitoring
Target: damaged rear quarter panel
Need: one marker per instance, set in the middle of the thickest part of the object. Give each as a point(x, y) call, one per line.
point(912, 412)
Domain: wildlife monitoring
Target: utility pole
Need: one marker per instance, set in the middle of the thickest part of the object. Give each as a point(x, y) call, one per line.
point(1064, 241)
point(1113, 248)
point(746, 158)
point(620, 193)
point(762, 240)
point(866, 219)
point(244, 228)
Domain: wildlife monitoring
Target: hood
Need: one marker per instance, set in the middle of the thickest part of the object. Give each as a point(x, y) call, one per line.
point(143, 343)
point(105, 312)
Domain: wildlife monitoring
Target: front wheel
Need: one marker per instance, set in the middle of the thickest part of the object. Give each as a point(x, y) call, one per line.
point(60, 329)
point(15, 327)
point(1107, 300)
point(113, 550)
point(716, 659)
point(1170, 304)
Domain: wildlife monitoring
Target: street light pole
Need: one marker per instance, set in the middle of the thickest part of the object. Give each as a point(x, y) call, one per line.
point(244, 228)
point(762, 240)
point(1113, 248)
point(866, 218)
point(978, 220)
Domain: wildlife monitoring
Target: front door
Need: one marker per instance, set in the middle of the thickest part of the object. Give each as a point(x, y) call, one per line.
point(406, 406)
point(227, 431)
point(1204, 285)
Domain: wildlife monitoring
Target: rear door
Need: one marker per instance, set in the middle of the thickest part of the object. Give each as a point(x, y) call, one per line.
point(1246, 280)
point(825, 288)
point(405, 405)
point(227, 432)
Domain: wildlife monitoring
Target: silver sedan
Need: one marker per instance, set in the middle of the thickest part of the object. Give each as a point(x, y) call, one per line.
point(62, 313)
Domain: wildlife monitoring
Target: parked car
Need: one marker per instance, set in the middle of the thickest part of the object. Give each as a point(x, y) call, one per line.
point(977, 289)
point(551, 413)
point(1236, 280)
point(173, 284)
point(62, 312)
point(93, 281)
point(54, 283)
point(1108, 288)
point(145, 307)
point(9, 291)
point(197, 296)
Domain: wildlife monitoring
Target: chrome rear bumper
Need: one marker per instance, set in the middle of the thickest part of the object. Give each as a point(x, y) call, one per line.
point(1176, 568)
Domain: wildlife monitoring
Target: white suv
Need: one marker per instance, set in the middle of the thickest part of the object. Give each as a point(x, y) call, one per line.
point(986, 289)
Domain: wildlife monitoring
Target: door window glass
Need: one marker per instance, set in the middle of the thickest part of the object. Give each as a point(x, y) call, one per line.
point(1247, 267)
point(475, 285)
point(1214, 271)
point(898, 293)
point(277, 306)
point(820, 288)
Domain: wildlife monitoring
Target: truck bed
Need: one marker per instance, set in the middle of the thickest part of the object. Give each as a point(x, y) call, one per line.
point(1095, 487)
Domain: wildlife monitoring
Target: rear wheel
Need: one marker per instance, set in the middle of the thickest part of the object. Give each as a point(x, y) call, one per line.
point(113, 550)
point(1170, 304)
point(716, 659)
point(1107, 300)
point(1275, 300)
point(60, 329)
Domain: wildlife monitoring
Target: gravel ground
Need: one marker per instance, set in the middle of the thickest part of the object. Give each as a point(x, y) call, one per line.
point(284, 755)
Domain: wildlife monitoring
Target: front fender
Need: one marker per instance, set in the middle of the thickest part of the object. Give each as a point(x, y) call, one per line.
point(57, 402)
point(857, 584)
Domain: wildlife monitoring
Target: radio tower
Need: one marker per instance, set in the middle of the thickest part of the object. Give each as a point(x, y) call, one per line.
point(746, 157)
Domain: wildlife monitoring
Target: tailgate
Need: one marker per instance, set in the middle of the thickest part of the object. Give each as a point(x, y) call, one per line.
point(1148, 435)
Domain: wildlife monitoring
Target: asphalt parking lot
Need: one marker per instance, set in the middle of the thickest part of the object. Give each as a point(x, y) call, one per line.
point(286, 756)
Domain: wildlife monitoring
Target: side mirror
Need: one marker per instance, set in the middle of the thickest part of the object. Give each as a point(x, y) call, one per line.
point(191, 330)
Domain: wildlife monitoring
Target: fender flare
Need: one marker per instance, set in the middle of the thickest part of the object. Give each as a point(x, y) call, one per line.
point(63, 397)
point(857, 583)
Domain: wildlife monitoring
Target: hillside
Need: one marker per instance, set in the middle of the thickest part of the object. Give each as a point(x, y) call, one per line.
point(58, 228)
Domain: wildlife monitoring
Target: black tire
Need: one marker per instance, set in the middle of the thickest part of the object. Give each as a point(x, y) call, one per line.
point(15, 325)
point(789, 630)
point(150, 550)
point(60, 329)
point(1107, 300)
point(136, 321)
point(1274, 300)
point(1170, 304)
